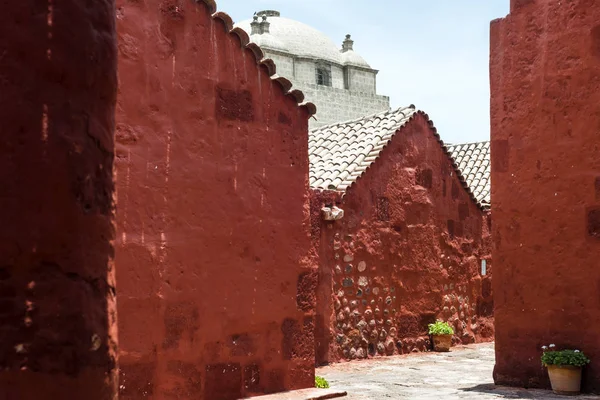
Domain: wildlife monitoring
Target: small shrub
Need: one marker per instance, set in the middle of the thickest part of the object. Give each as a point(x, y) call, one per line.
point(575, 358)
point(440, 328)
point(321, 382)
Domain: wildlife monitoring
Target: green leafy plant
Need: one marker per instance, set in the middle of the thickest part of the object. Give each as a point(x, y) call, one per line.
point(321, 382)
point(440, 328)
point(575, 358)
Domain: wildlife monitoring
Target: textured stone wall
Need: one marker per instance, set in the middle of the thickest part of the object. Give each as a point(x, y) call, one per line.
point(304, 71)
point(545, 114)
point(216, 286)
point(407, 252)
point(337, 77)
point(337, 105)
point(334, 103)
point(362, 81)
point(58, 86)
point(284, 64)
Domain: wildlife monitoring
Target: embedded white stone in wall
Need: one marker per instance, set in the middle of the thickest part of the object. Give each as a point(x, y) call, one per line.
point(332, 213)
point(348, 258)
point(363, 281)
point(362, 266)
point(375, 290)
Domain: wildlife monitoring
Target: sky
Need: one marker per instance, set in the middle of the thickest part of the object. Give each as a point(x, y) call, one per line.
point(430, 53)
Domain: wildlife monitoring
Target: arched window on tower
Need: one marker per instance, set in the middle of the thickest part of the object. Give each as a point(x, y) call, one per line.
point(323, 75)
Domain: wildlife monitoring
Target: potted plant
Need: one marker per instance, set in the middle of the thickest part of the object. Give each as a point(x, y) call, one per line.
point(441, 333)
point(564, 369)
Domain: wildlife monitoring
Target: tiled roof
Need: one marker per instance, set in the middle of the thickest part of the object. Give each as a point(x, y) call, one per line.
point(473, 162)
point(340, 153)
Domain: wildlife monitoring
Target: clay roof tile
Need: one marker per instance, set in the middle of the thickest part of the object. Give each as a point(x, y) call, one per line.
point(473, 161)
point(359, 142)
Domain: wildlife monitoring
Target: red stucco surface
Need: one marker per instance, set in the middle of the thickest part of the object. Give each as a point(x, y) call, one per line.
point(407, 252)
point(215, 281)
point(57, 102)
point(545, 112)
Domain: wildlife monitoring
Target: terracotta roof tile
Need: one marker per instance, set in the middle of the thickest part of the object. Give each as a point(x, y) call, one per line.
point(340, 153)
point(473, 160)
point(358, 142)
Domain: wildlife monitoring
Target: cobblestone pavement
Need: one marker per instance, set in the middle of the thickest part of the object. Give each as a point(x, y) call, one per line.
point(464, 373)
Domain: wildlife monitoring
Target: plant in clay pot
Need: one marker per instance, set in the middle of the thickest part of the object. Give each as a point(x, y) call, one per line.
point(564, 369)
point(441, 334)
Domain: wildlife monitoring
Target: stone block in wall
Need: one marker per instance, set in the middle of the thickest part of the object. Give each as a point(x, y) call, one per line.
point(136, 379)
point(186, 380)
point(252, 381)
point(223, 382)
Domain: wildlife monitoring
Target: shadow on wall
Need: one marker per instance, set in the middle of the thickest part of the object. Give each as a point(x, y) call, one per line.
point(57, 311)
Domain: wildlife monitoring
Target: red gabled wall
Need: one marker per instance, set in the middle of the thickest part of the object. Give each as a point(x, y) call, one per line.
point(407, 252)
point(545, 113)
point(216, 287)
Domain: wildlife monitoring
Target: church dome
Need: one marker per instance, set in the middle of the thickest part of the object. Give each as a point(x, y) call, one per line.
point(351, 57)
point(295, 37)
point(270, 42)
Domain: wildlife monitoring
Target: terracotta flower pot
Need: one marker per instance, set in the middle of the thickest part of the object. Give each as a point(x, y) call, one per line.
point(442, 342)
point(565, 379)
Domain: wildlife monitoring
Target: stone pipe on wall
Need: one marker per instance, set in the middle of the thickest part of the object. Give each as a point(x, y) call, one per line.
point(57, 294)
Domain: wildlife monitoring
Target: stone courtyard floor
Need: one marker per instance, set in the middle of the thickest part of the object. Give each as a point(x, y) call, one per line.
point(464, 373)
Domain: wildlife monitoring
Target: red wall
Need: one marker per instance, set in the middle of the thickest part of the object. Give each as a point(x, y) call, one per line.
point(407, 251)
point(545, 78)
point(216, 286)
point(57, 101)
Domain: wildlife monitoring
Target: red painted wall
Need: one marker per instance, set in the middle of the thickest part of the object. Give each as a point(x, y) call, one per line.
point(545, 112)
point(57, 101)
point(216, 286)
point(407, 251)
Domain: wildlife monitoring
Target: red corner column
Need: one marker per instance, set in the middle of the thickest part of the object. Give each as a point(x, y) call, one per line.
point(57, 103)
point(545, 116)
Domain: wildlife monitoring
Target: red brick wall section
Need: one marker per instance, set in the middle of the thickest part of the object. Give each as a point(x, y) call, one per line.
point(216, 286)
point(58, 86)
point(545, 112)
point(407, 252)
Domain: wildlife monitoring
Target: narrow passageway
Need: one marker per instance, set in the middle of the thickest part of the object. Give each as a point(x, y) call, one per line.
point(464, 373)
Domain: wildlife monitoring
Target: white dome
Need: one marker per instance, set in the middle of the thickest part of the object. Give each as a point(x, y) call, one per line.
point(298, 38)
point(269, 41)
point(351, 57)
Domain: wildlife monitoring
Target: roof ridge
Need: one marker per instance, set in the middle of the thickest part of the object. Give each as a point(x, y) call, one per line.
point(481, 204)
point(466, 143)
point(363, 118)
point(325, 159)
point(361, 149)
point(267, 63)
